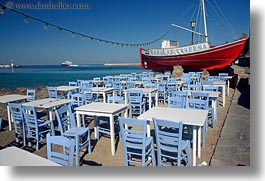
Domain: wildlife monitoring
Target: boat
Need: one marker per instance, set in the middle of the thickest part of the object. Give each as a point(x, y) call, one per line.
point(197, 56)
point(67, 63)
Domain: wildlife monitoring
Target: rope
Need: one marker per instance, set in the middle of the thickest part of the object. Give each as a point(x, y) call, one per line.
point(83, 36)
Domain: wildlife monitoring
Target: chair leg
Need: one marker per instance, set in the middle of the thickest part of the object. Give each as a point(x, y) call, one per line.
point(153, 155)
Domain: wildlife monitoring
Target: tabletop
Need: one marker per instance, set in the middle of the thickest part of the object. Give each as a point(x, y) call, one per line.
point(193, 117)
point(99, 107)
point(47, 103)
point(13, 156)
point(67, 88)
point(12, 97)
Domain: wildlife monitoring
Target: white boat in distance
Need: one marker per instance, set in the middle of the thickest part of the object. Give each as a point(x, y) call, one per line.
point(68, 64)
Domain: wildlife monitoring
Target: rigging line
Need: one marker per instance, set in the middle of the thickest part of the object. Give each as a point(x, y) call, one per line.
point(27, 16)
point(231, 31)
point(193, 11)
point(225, 17)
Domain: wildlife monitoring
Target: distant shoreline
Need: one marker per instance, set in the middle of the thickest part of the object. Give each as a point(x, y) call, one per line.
point(122, 64)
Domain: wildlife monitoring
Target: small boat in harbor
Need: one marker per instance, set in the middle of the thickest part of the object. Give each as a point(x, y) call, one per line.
point(68, 64)
point(197, 56)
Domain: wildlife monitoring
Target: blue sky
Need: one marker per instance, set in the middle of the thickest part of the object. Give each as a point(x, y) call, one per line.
point(128, 21)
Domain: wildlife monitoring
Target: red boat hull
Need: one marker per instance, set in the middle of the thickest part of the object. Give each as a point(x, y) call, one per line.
point(213, 58)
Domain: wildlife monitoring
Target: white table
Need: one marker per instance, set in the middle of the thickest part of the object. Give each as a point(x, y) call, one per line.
point(221, 84)
point(66, 88)
point(104, 91)
point(11, 98)
point(148, 91)
point(106, 110)
point(47, 103)
point(193, 117)
point(214, 97)
point(13, 156)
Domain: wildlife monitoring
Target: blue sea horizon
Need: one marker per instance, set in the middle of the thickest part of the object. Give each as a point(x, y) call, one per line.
point(33, 76)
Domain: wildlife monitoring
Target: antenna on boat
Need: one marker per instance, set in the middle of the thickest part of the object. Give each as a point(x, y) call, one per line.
point(204, 20)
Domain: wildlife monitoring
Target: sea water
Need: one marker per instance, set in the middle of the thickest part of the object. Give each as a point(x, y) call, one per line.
point(55, 75)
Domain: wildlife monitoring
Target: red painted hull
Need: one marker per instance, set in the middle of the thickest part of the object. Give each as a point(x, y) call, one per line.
point(213, 58)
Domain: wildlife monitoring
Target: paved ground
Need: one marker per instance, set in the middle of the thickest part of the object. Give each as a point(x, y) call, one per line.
point(233, 147)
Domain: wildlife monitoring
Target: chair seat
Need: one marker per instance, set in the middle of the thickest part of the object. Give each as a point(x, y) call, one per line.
point(76, 131)
point(43, 122)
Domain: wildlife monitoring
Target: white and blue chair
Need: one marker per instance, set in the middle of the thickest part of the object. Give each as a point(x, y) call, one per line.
point(138, 149)
point(172, 150)
point(60, 150)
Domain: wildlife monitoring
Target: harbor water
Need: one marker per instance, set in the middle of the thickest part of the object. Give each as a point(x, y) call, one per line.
point(55, 75)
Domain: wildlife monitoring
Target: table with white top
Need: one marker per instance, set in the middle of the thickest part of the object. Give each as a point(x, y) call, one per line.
point(221, 84)
point(194, 117)
point(66, 88)
point(104, 91)
point(13, 156)
point(48, 103)
point(106, 110)
point(214, 97)
point(148, 91)
point(11, 98)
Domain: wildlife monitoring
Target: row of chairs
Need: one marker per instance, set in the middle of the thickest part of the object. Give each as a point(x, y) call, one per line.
point(138, 149)
point(29, 126)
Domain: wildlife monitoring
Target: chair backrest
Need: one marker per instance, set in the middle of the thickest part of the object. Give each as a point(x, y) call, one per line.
point(168, 139)
point(116, 99)
point(176, 102)
point(210, 88)
point(149, 85)
point(65, 118)
point(130, 84)
point(171, 86)
point(88, 95)
point(32, 94)
point(194, 87)
point(135, 96)
point(72, 83)
point(66, 154)
point(52, 92)
point(78, 99)
point(16, 112)
point(30, 116)
point(133, 133)
point(117, 86)
point(198, 100)
point(86, 84)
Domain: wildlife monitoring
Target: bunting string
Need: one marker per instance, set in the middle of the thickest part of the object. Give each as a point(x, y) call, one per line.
point(83, 36)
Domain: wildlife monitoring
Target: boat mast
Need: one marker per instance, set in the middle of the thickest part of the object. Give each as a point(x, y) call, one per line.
point(204, 20)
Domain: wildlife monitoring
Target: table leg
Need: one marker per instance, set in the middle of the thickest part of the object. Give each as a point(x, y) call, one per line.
point(112, 135)
point(125, 97)
point(148, 127)
point(9, 118)
point(194, 146)
point(223, 95)
point(150, 100)
point(52, 126)
point(199, 141)
point(77, 150)
point(104, 97)
point(96, 127)
point(156, 96)
point(78, 119)
point(228, 86)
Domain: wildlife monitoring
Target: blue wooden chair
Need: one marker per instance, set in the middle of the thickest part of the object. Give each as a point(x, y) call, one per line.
point(52, 93)
point(171, 148)
point(32, 94)
point(162, 94)
point(60, 150)
point(67, 127)
point(137, 106)
point(0, 124)
point(138, 149)
point(200, 100)
point(19, 122)
point(36, 128)
point(176, 102)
